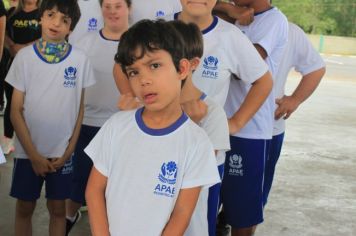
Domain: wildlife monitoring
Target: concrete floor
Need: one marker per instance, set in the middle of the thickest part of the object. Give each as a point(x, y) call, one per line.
point(314, 192)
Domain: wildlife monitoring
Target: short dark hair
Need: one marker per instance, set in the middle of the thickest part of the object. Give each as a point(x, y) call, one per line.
point(128, 2)
point(192, 36)
point(69, 8)
point(149, 36)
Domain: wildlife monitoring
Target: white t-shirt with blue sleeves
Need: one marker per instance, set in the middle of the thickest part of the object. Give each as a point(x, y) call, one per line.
point(91, 20)
point(146, 168)
point(52, 97)
point(100, 100)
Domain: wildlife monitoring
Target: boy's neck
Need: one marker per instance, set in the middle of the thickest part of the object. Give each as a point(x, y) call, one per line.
point(113, 35)
point(163, 118)
point(29, 7)
point(189, 91)
point(202, 22)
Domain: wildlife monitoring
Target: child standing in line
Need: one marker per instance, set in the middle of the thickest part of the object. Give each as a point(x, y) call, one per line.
point(47, 110)
point(148, 175)
point(100, 99)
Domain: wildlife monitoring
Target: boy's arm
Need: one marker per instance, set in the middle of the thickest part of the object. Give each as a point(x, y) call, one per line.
point(182, 212)
point(59, 162)
point(122, 83)
point(95, 198)
point(254, 99)
point(39, 163)
point(288, 104)
point(2, 34)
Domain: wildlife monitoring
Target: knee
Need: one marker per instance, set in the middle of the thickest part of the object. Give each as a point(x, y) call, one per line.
point(56, 208)
point(24, 209)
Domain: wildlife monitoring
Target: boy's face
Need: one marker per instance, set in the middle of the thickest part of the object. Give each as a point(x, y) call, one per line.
point(155, 80)
point(198, 8)
point(115, 14)
point(55, 25)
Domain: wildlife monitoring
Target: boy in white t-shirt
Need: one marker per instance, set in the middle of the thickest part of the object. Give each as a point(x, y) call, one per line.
point(47, 110)
point(148, 175)
point(300, 54)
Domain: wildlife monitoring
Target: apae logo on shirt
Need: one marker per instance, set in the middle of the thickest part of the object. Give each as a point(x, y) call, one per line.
point(160, 13)
point(210, 65)
point(235, 165)
point(92, 24)
point(167, 178)
point(70, 75)
point(68, 167)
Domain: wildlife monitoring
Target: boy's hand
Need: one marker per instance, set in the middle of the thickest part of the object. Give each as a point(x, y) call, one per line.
point(195, 109)
point(286, 106)
point(58, 162)
point(245, 16)
point(128, 102)
point(41, 166)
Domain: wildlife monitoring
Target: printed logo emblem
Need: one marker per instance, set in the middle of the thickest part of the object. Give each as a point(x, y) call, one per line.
point(235, 165)
point(210, 67)
point(168, 178)
point(92, 24)
point(68, 167)
point(70, 75)
point(160, 13)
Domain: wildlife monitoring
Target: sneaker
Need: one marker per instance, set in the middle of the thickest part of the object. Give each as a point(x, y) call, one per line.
point(70, 224)
point(7, 145)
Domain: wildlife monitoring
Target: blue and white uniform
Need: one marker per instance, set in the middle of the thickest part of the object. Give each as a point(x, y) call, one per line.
point(153, 9)
point(300, 54)
point(91, 20)
point(245, 163)
point(146, 169)
point(51, 107)
point(100, 102)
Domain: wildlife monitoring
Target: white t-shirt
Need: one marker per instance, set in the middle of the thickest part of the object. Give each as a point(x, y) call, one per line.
point(101, 99)
point(270, 30)
point(227, 52)
point(52, 97)
point(91, 19)
point(146, 169)
point(153, 9)
point(299, 54)
point(216, 127)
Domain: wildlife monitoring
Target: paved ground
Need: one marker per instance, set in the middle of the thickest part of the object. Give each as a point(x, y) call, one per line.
point(314, 193)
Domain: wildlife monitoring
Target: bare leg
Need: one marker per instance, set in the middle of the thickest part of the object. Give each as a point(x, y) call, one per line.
point(23, 218)
point(57, 222)
point(243, 231)
point(72, 208)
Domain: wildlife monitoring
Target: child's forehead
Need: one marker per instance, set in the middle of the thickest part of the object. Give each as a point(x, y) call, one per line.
point(57, 11)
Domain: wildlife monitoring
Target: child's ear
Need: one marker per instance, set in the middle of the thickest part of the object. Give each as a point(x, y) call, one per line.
point(184, 68)
point(194, 63)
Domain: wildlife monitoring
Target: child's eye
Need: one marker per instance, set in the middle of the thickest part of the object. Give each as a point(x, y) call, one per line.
point(155, 65)
point(50, 14)
point(132, 73)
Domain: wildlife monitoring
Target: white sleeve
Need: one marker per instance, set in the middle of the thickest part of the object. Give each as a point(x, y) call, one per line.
point(245, 62)
point(308, 59)
point(200, 168)
point(216, 127)
point(98, 149)
point(16, 74)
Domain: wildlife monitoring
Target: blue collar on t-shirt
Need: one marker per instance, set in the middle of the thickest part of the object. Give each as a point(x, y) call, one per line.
point(259, 13)
point(43, 59)
point(102, 36)
point(159, 132)
point(208, 29)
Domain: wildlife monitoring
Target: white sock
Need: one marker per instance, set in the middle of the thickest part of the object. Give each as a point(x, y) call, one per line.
point(71, 218)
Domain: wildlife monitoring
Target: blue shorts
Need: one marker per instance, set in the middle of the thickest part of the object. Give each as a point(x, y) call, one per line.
point(214, 202)
point(27, 186)
point(242, 184)
point(271, 162)
point(82, 164)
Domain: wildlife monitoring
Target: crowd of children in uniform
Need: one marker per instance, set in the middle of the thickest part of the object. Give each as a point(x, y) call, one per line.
point(127, 115)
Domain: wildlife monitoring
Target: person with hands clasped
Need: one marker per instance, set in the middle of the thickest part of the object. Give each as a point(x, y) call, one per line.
point(47, 110)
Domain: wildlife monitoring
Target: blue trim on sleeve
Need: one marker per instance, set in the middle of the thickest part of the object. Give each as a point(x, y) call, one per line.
point(159, 132)
point(102, 36)
point(259, 13)
point(43, 59)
